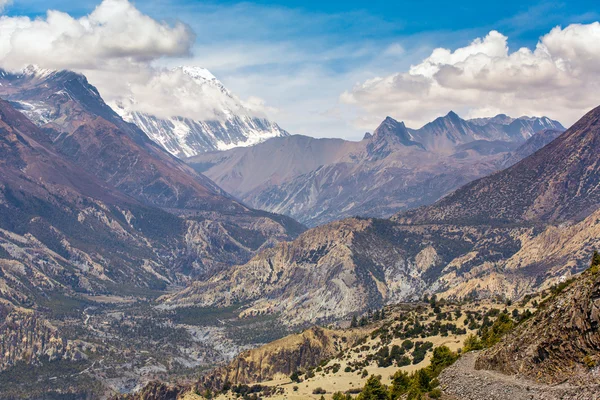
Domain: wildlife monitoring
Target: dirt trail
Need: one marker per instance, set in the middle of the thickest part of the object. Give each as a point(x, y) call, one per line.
point(462, 381)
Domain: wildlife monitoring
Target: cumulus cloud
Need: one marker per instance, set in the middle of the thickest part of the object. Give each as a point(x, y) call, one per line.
point(558, 78)
point(116, 47)
point(186, 92)
point(115, 30)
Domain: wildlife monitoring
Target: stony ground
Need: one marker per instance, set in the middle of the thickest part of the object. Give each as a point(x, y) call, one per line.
point(462, 381)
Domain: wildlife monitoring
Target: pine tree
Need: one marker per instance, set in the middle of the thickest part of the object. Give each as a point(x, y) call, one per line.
point(374, 390)
point(341, 396)
point(433, 301)
point(354, 322)
point(400, 384)
point(595, 267)
point(376, 315)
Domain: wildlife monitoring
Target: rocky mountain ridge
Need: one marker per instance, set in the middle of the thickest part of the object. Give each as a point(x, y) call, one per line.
point(319, 180)
point(445, 133)
point(558, 183)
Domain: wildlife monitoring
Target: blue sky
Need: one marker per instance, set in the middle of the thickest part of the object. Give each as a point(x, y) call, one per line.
point(299, 56)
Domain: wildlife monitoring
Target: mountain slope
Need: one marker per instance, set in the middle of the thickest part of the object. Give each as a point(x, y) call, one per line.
point(352, 265)
point(83, 129)
point(559, 182)
point(231, 125)
point(561, 342)
point(533, 144)
point(64, 230)
point(320, 180)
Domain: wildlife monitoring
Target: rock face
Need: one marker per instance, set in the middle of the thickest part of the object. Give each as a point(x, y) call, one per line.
point(232, 123)
point(459, 247)
point(282, 357)
point(26, 337)
point(319, 180)
point(311, 279)
point(560, 342)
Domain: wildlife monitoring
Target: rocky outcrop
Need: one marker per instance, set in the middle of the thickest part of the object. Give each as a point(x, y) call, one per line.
point(156, 391)
point(27, 337)
point(282, 357)
point(561, 342)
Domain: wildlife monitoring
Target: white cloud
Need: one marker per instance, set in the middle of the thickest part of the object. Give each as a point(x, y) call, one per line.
point(115, 30)
point(117, 47)
point(559, 78)
point(173, 92)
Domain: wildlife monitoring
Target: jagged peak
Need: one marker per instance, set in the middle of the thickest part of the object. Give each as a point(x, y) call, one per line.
point(451, 114)
point(390, 125)
point(391, 129)
point(390, 119)
point(36, 71)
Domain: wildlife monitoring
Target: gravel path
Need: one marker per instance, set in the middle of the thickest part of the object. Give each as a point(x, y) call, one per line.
point(462, 381)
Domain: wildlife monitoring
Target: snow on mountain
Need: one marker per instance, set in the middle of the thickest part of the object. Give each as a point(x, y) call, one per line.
point(227, 122)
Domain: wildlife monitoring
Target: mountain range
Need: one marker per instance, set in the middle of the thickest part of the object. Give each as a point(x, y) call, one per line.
point(109, 170)
point(95, 216)
point(507, 234)
point(316, 181)
point(232, 124)
point(112, 248)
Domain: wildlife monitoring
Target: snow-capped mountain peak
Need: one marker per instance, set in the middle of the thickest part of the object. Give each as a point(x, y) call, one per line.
point(197, 73)
point(219, 120)
point(36, 71)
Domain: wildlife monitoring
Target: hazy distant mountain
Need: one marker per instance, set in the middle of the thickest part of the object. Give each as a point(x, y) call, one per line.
point(444, 133)
point(234, 124)
point(319, 180)
point(559, 182)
